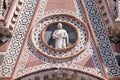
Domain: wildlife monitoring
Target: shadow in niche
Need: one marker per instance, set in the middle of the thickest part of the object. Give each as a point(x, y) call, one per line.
point(49, 31)
point(118, 59)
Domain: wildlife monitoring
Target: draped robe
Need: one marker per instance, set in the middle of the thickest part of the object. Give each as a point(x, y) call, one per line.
point(61, 38)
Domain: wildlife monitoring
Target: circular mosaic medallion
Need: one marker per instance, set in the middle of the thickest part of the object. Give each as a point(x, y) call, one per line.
point(60, 36)
point(60, 39)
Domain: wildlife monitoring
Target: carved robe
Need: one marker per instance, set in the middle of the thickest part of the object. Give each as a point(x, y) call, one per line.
point(61, 38)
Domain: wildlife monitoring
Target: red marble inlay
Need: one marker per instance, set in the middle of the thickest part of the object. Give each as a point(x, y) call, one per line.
point(3, 46)
point(87, 62)
point(113, 47)
point(118, 47)
point(60, 4)
point(33, 61)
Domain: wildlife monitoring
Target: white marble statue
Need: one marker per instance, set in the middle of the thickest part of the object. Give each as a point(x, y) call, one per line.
point(61, 37)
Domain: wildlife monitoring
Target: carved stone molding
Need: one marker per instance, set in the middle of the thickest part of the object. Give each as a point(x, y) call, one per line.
point(16, 14)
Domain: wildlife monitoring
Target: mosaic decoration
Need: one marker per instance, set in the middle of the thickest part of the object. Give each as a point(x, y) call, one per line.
point(103, 41)
point(51, 63)
point(63, 11)
point(17, 39)
point(26, 52)
point(1, 60)
point(41, 10)
point(22, 26)
point(39, 44)
point(79, 9)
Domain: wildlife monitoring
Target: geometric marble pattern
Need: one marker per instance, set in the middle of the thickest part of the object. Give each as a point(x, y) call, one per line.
point(102, 39)
point(45, 63)
point(51, 63)
point(18, 37)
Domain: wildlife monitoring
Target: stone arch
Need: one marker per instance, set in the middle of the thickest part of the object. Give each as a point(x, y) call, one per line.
point(59, 74)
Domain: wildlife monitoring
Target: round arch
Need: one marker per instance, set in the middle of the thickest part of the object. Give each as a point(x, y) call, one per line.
point(59, 74)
